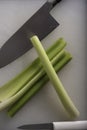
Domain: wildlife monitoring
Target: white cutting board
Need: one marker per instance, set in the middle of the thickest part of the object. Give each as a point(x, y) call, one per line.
point(45, 106)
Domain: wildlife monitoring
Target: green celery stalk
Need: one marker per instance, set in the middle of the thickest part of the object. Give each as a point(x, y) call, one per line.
point(65, 99)
point(37, 86)
point(14, 85)
point(20, 93)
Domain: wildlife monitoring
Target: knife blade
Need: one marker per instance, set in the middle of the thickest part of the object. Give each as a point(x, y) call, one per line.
point(41, 24)
point(67, 125)
point(45, 126)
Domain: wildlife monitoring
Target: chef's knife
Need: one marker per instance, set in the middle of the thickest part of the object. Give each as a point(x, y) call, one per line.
point(68, 125)
point(41, 24)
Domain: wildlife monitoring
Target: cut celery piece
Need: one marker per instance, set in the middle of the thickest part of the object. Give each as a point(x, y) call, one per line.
point(65, 99)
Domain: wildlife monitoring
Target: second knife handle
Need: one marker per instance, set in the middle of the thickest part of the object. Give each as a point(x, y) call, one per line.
point(70, 125)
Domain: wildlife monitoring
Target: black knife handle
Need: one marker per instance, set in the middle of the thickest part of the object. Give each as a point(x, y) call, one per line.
point(54, 2)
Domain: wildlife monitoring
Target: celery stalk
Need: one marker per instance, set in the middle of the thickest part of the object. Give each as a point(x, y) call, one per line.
point(19, 94)
point(14, 85)
point(37, 86)
point(65, 99)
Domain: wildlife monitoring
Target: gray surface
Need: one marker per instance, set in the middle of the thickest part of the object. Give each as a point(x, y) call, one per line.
point(45, 106)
